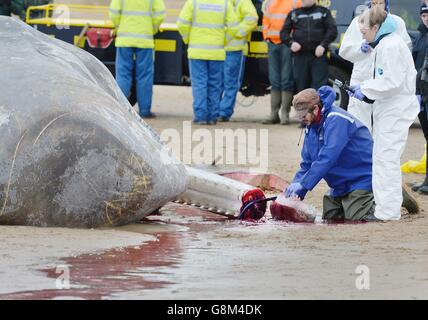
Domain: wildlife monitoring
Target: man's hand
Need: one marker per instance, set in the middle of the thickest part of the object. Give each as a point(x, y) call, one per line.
point(319, 51)
point(296, 189)
point(356, 92)
point(365, 47)
point(295, 47)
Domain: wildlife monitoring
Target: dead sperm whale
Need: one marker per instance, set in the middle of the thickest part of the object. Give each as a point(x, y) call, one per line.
point(73, 153)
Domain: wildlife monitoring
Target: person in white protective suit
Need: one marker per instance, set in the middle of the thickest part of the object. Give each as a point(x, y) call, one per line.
point(356, 50)
point(392, 86)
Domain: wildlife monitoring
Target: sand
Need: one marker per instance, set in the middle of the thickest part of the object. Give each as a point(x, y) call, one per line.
point(211, 258)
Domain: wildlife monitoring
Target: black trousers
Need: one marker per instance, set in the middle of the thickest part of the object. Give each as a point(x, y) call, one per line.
point(309, 71)
point(423, 119)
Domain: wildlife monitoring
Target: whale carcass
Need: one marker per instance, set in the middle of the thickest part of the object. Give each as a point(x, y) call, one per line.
point(73, 152)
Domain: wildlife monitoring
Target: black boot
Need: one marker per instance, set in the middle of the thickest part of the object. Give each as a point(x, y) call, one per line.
point(370, 217)
point(416, 187)
point(409, 202)
point(423, 188)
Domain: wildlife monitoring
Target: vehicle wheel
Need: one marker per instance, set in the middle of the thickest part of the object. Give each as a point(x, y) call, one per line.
point(342, 97)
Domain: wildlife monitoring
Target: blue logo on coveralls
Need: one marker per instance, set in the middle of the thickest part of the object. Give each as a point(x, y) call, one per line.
point(380, 71)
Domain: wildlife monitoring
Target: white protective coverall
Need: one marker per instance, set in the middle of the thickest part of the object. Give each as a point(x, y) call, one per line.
point(392, 84)
point(350, 49)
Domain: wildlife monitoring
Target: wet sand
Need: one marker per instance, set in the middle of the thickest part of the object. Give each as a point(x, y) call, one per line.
point(188, 254)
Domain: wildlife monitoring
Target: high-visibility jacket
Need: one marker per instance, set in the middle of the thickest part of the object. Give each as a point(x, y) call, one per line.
point(247, 17)
point(136, 21)
point(203, 24)
point(274, 14)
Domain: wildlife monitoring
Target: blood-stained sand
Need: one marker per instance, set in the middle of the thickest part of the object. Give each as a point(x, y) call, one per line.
point(185, 253)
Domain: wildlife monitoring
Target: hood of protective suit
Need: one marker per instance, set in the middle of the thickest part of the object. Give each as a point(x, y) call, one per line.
point(387, 27)
point(327, 96)
point(369, 4)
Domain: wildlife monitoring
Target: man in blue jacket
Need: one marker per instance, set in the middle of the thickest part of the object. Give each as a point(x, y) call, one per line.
point(338, 149)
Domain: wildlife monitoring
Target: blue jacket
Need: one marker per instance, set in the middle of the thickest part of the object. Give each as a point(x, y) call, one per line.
point(338, 150)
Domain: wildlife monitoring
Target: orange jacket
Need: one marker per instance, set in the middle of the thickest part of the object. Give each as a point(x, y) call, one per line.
point(274, 14)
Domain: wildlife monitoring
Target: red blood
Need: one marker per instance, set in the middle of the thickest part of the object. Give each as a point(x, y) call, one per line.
point(258, 210)
point(281, 212)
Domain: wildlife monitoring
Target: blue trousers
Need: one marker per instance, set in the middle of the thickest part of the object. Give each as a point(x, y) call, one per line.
point(206, 77)
point(234, 67)
point(143, 65)
point(280, 67)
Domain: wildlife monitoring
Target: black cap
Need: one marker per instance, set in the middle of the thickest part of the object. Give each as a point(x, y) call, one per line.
point(424, 9)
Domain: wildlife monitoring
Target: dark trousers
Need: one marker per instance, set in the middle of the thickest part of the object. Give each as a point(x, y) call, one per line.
point(309, 71)
point(280, 67)
point(353, 206)
point(423, 119)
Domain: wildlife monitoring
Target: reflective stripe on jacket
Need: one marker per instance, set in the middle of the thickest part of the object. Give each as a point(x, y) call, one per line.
point(274, 14)
point(136, 21)
point(247, 17)
point(203, 24)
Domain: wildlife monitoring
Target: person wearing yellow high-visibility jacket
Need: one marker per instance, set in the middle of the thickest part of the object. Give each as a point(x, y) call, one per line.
point(136, 22)
point(236, 51)
point(203, 24)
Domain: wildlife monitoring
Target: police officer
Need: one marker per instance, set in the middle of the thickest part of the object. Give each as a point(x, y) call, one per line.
point(309, 31)
point(280, 63)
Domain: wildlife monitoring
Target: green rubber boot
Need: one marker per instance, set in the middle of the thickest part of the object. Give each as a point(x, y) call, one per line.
point(275, 105)
point(286, 100)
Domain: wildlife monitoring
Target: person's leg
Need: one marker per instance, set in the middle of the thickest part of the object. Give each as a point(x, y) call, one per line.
point(332, 208)
point(199, 79)
point(390, 131)
point(231, 82)
point(124, 69)
point(361, 111)
point(423, 119)
point(242, 71)
point(319, 72)
point(301, 71)
point(215, 78)
point(274, 61)
point(358, 204)
point(274, 66)
point(287, 83)
point(144, 77)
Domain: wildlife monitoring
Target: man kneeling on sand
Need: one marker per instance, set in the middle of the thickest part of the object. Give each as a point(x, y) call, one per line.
point(337, 148)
